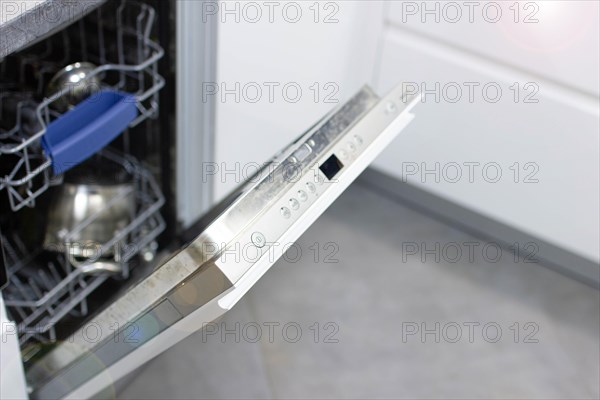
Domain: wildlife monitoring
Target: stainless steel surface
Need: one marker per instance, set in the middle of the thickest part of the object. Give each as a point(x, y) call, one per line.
point(196, 53)
point(76, 79)
point(208, 276)
point(82, 217)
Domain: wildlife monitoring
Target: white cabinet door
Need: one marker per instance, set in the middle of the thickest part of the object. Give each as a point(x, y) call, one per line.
point(276, 77)
point(557, 39)
point(518, 151)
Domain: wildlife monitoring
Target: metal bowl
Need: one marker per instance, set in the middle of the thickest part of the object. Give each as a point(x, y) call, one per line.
point(76, 78)
point(84, 217)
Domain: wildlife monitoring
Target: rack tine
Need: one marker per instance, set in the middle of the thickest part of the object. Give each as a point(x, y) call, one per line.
point(54, 272)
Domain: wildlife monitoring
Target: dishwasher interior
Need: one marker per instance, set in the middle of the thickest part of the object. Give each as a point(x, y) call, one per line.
point(86, 191)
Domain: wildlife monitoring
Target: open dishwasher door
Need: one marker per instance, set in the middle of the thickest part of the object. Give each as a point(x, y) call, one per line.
point(245, 237)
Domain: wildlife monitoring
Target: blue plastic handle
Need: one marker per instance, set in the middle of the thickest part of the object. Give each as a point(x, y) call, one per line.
point(88, 128)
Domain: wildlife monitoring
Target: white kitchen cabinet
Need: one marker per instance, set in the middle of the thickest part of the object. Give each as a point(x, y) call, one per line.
point(550, 39)
point(545, 150)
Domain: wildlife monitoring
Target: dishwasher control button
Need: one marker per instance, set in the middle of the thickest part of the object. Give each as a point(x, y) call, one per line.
point(258, 239)
point(358, 140)
point(311, 187)
point(302, 152)
point(294, 204)
point(285, 212)
point(343, 154)
point(390, 108)
point(302, 195)
point(351, 147)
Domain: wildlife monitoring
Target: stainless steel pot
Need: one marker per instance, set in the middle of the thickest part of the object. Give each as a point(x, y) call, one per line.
point(84, 217)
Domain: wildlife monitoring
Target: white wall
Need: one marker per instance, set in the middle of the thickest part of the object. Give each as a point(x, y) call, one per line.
point(384, 44)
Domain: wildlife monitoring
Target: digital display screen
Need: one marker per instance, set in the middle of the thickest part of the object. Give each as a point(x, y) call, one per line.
point(331, 167)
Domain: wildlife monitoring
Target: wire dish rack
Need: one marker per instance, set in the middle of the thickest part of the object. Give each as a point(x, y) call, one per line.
point(44, 288)
point(126, 60)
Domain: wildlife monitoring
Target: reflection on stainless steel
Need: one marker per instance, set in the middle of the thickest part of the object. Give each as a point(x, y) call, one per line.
point(76, 78)
point(101, 267)
point(82, 217)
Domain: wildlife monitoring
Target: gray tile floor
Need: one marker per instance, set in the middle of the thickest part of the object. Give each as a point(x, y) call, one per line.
point(356, 317)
